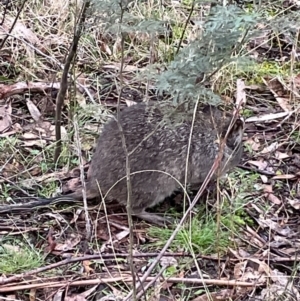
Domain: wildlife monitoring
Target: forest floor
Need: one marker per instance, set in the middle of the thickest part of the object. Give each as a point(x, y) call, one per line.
point(242, 241)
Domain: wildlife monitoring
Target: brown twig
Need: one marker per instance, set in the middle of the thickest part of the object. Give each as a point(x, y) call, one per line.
point(185, 27)
point(77, 259)
point(64, 79)
point(128, 279)
point(14, 23)
point(128, 179)
point(88, 223)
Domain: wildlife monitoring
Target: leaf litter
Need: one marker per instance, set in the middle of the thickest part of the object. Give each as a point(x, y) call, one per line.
point(267, 249)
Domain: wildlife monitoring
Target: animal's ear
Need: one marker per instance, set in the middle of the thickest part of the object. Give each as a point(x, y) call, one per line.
point(207, 109)
point(237, 125)
point(212, 114)
point(212, 110)
point(216, 115)
point(235, 135)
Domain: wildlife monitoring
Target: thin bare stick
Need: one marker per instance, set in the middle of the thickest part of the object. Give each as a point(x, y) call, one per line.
point(14, 23)
point(128, 180)
point(88, 224)
point(127, 279)
point(64, 79)
point(185, 27)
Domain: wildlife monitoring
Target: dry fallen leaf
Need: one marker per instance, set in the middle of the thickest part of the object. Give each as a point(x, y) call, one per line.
point(81, 100)
point(11, 297)
point(64, 134)
point(295, 203)
point(271, 148)
point(264, 179)
point(127, 68)
point(281, 156)
point(240, 93)
point(254, 143)
point(5, 117)
point(75, 298)
point(260, 164)
point(59, 295)
point(84, 295)
point(32, 295)
point(34, 111)
point(11, 169)
point(282, 229)
point(281, 288)
point(30, 139)
point(20, 30)
point(274, 199)
point(267, 117)
point(167, 261)
point(243, 272)
point(122, 234)
point(21, 87)
point(280, 93)
point(239, 269)
point(268, 193)
point(51, 241)
point(86, 265)
point(105, 48)
point(117, 46)
point(284, 177)
point(69, 243)
point(220, 295)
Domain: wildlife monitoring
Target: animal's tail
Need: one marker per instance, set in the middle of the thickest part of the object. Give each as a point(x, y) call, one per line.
point(25, 207)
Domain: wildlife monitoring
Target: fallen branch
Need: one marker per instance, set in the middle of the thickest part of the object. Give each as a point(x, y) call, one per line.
point(127, 279)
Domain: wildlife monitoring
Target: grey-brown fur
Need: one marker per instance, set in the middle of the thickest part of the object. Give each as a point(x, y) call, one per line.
point(157, 138)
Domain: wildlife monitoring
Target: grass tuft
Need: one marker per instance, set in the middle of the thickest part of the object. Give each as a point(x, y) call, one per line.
point(18, 258)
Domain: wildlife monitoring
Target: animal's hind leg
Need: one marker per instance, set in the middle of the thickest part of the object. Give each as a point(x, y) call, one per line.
point(151, 217)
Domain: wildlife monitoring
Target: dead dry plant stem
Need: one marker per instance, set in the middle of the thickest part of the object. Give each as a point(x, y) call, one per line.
point(128, 180)
point(125, 278)
point(151, 282)
point(14, 23)
point(13, 184)
point(88, 223)
point(70, 260)
point(185, 27)
point(64, 79)
point(188, 152)
point(186, 214)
